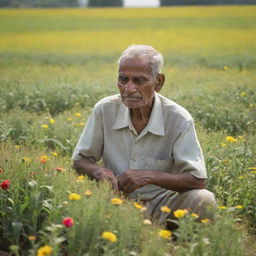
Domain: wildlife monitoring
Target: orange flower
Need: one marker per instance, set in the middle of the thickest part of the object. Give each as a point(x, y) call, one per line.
point(44, 159)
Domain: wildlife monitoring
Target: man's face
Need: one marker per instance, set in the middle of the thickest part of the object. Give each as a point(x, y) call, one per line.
point(136, 82)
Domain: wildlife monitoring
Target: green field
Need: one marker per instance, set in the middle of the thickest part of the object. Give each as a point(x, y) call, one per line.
point(55, 64)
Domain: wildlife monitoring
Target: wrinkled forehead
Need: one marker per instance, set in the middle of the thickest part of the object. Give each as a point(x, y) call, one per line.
point(138, 64)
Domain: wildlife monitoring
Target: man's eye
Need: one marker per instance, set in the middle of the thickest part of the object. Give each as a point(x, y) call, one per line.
point(122, 79)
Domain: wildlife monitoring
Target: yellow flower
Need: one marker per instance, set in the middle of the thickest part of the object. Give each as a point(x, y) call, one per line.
point(44, 251)
point(137, 205)
point(231, 139)
point(51, 121)
point(194, 215)
point(32, 238)
point(239, 207)
point(165, 209)
point(205, 220)
point(74, 196)
point(54, 154)
point(69, 119)
point(44, 158)
point(26, 159)
point(240, 177)
point(88, 192)
point(78, 114)
point(166, 234)
point(147, 222)
point(254, 172)
point(45, 126)
point(225, 67)
point(223, 145)
point(116, 201)
point(222, 207)
point(81, 178)
point(109, 236)
point(17, 146)
point(180, 213)
point(243, 94)
point(252, 168)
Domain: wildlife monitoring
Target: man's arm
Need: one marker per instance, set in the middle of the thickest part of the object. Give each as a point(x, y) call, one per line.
point(85, 166)
point(134, 179)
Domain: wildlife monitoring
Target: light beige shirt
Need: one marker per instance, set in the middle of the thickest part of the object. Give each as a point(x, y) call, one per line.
point(167, 144)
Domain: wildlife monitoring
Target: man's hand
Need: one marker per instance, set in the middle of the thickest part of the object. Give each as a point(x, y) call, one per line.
point(131, 180)
point(105, 174)
point(85, 166)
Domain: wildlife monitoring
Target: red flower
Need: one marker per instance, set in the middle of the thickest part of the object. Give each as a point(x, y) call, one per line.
point(68, 222)
point(60, 169)
point(5, 184)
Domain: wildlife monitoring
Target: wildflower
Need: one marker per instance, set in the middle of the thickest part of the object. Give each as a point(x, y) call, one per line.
point(194, 215)
point(80, 178)
point(166, 234)
point(74, 196)
point(180, 213)
point(69, 119)
point(243, 94)
point(45, 126)
point(239, 207)
point(5, 184)
point(137, 205)
point(44, 251)
point(231, 139)
point(65, 202)
point(116, 201)
point(51, 121)
point(88, 192)
point(109, 236)
point(44, 159)
point(165, 209)
point(223, 145)
point(147, 222)
point(225, 67)
point(26, 159)
point(54, 154)
point(32, 238)
point(143, 209)
point(60, 169)
point(222, 207)
point(205, 220)
point(17, 146)
point(252, 168)
point(240, 177)
point(68, 222)
point(78, 114)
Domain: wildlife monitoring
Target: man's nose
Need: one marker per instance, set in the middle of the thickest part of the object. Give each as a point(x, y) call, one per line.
point(130, 87)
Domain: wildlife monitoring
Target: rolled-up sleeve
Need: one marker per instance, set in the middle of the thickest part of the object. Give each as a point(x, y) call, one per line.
point(91, 141)
point(187, 153)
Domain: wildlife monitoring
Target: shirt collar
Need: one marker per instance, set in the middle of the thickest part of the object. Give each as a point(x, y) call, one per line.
point(155, 124)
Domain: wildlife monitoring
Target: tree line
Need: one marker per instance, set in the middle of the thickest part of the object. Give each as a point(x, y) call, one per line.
point(112, 3)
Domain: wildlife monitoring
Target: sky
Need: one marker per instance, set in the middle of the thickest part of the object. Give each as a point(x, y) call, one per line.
point(141, 3)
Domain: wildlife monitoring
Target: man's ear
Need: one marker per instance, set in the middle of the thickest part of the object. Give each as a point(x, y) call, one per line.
point(159, 82)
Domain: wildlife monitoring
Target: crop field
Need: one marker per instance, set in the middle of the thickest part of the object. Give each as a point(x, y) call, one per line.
point(55, 64)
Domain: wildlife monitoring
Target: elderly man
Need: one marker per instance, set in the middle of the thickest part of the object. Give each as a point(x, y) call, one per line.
point(148, 142)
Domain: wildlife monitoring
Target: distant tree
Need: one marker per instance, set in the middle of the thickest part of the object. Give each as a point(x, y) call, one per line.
point(105, 3)
point(5, 3)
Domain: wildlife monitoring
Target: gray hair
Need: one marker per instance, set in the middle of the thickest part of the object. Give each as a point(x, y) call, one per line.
point(155, 58)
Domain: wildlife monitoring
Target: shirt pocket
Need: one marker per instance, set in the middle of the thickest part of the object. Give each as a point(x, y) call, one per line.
point(153, 164)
